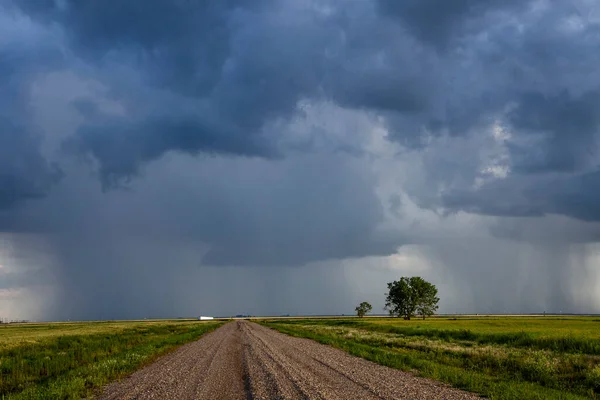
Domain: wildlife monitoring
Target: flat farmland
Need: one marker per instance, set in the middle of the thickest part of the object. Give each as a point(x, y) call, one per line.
point(497, 357)
point(442, 357)
point(237, 360)
point(72, 360)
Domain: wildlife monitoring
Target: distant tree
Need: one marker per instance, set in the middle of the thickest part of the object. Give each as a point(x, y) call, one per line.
point(363, 309)
point(411, 296)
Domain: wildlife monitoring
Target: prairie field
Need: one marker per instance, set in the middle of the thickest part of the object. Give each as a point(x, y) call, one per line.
point(497, 357)
point(72, 360)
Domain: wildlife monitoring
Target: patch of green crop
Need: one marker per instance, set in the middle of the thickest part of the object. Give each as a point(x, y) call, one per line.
point(501, 358)
point(71, 361)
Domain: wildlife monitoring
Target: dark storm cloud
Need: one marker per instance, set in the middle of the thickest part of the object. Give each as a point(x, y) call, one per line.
point(576, 196)
point(209, 76)
point(329, 202)
point(182, 44)
point(122, 145)
point(227, 56)
point(24, 171)
point(554, 123)
point(235, 65)
point(568, 125)
point(438, 22)
point(530, 72)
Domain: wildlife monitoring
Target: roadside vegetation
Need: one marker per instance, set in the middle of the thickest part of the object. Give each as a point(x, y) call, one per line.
point(72, 360)
point(500, 358)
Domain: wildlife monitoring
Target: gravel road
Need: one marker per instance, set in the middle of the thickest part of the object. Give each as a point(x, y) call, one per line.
point(243, 360)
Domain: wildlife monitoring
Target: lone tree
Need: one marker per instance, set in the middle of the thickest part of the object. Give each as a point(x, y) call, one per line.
point(411, 296)
point(363, 309)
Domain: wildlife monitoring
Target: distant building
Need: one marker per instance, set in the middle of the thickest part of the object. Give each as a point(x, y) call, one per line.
point(202, 318)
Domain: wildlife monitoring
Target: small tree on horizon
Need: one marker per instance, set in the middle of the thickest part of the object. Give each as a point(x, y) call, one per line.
point(363, 309)
point(411, 296)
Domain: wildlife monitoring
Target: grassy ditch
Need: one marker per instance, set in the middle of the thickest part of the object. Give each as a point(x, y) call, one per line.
point(71, 361)
point(501, 358)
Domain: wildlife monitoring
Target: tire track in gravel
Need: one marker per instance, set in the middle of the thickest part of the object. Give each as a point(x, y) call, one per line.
point(313, 380)
point(243, 360)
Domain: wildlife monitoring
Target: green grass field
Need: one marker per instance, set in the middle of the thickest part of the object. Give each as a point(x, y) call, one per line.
point(498, 357)
point(72, 360)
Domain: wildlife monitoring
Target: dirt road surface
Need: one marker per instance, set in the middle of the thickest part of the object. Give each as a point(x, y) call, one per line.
point(243, 360)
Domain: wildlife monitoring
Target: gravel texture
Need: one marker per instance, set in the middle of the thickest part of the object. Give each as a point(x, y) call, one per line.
point(243, 360)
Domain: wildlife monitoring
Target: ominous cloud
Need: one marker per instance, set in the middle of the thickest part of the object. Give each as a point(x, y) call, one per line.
point(268, 134)
point(24, 172)
point(439, 23)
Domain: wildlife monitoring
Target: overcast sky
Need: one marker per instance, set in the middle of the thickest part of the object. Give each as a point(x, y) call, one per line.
point(185, 157)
